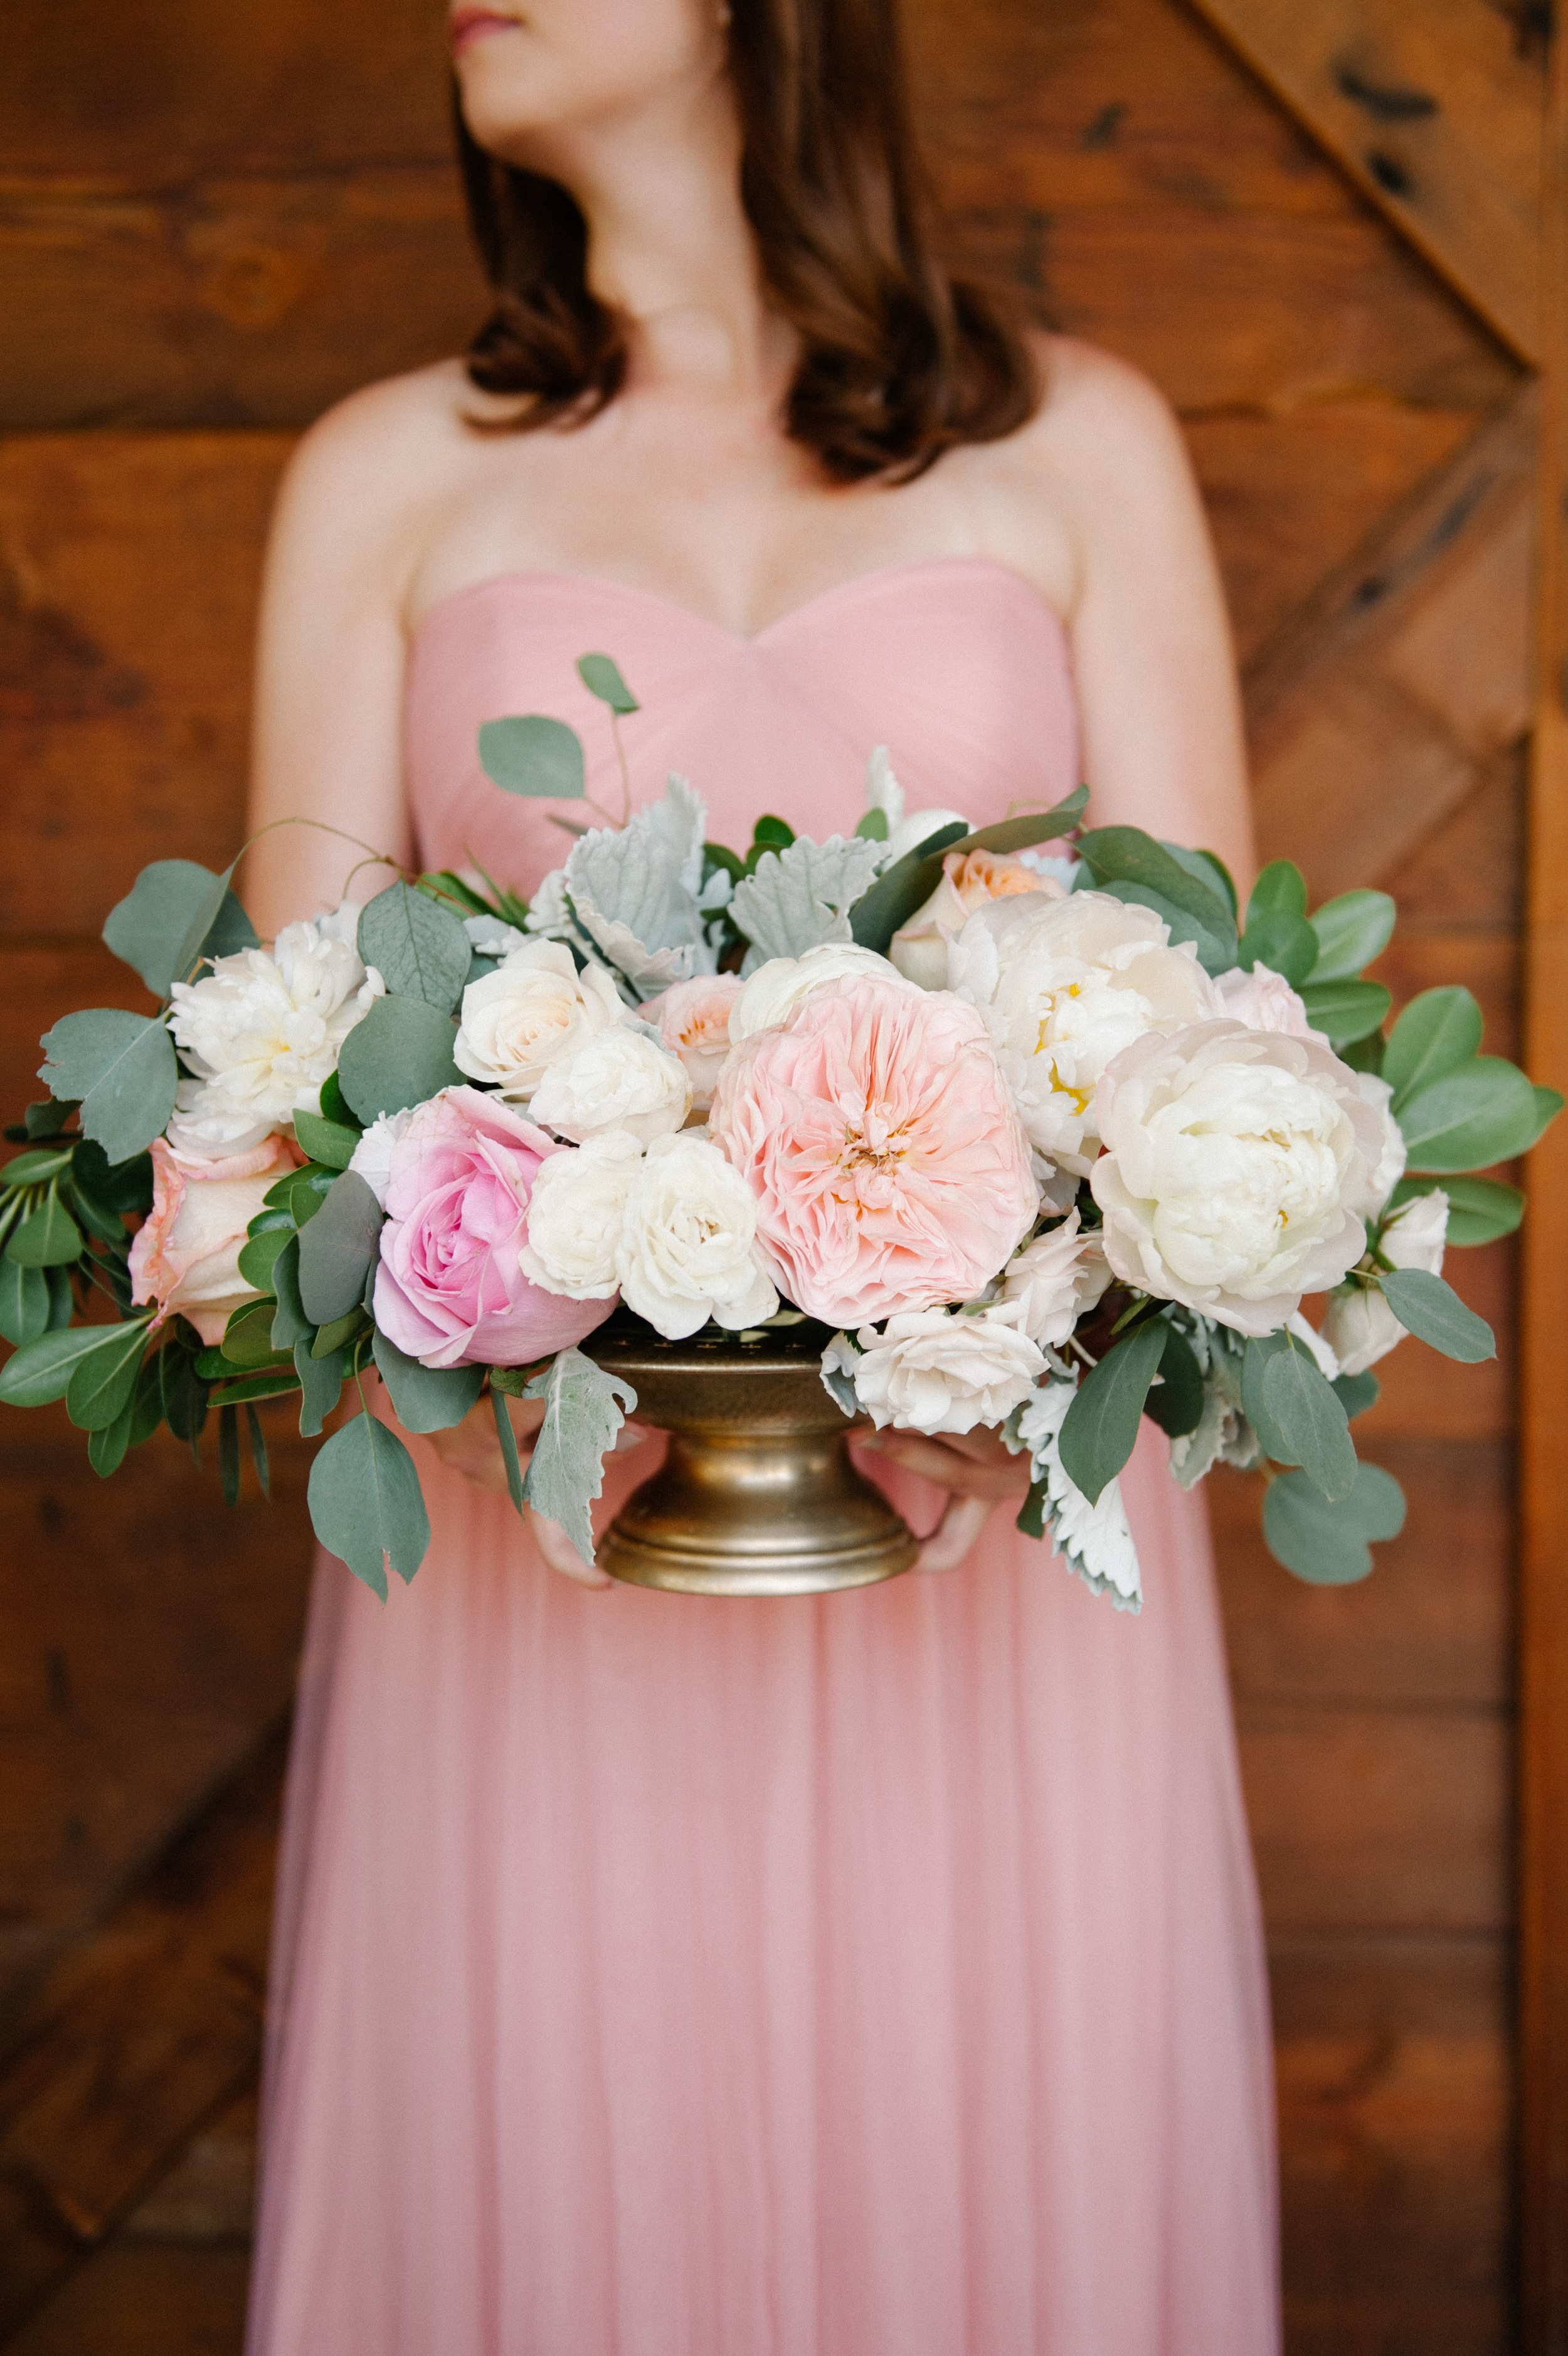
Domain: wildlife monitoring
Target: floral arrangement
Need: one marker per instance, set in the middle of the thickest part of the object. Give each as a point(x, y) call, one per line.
point(1044, 1131)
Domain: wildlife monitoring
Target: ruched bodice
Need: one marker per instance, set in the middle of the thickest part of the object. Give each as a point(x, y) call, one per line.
point(956, 664)
point(876, 1973)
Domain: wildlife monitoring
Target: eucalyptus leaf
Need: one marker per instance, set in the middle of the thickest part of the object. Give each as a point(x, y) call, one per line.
point(426, 1398)
point(1435, 1032)
point(1357, 1393)
point(1255, 1361)
point(1434, 1313)
point(268, 1382)
point(893, 898)
point(338, 1249)
point(1118, 855)
point(583, 1413)
point(321, 1385)
point(1474, 1114)
point(102, 1382)
point(122, 1070)
point(48, 1237)
point(327, 1141)
point(366, 1506)
point(601, 676)
point(1479, 1209)
point(1329, 1545)
point(1176, 1401)
point(1350, 932)
point(290, 1325)
point(210, 926)
point(1209, 868)
point(247, 1336)
point(533, 754)
point(334, 1105)
point(398, 1055)
point(419, 947)
point(1304, 1410)
point(342, 1329)
point(42, 1369)
point(1344, 1010)
point(184, 1393)
point(24, 1301)
point(1101, 1427)
point(148, 929)
point(259, 1254)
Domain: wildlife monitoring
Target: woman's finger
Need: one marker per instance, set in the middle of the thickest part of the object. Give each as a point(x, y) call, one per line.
point(954, 1534)
point(992, 1476)
point(561, 1555)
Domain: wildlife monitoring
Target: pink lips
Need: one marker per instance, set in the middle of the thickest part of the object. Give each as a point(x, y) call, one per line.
point(471, 25)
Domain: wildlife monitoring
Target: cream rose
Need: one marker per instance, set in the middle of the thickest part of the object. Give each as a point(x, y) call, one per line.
point(621, 1079)
point(263, 1030)
point(1263, 1001)
point(931, 1370)
point(1054, 1281)
point(1237, 1171)
point(688, 1246)
point(186, 1254)
point(1358, 1324)
point(533, 1009)
point(575, 1213)
point(969, 880)
point(1064, 985)
point(771, 995)
point(693, 1020)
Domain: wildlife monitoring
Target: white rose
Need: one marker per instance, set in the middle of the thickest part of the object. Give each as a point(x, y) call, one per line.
point(264, 1028)
point(533, 1009)
point(575, 1217)
point(621, 1079)
point(372, 1157)
point(1054, 1281)
point(1237, 1171)
point(772, 994)
point(931, 1371)
point(204, 1128)
point(1064, 985)
point(1389, 1168)
point(1263, 1001)
point(688, 1248)
point(1357, 1323)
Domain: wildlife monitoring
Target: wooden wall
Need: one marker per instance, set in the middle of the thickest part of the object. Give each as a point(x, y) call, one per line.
point(211, 226)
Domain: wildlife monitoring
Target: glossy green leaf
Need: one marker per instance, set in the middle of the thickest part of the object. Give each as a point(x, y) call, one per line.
point(1278, 934)
point(116, 1187)
point(38, 1165)
point(1175, 1400)
point(1480, 1112)
point(426, 1398)
point(873, 826)
point(42, 1369)
point(903, 888)
point(148, 929)
point(1280, 890)
point(1435, 1032)
point(1330, 1544)
point(1209, 868)
point(533, 754)
point(1431, 1310)
point(24, 1301)
point(334, 1105)
point(1101, 1426)
point(1311, 1420)
point(338, 1248)
point(601, 676)
point(321, 1384)
point(48, 1237)
point(106, 1443)
point(1346, 1011)
point(1350, 932)
point(1126, 856)
point(340, 1329)
point(290, 1325)
point(397, 1057)
point(327, 1141)
point(1548, 1103)
point(102, 1382)
point(419, 947)
point(185, 1395)
point(366, 1506)
point(122, 1067)
point(270, 1382)
point(146, 1401)
point(258, 1256)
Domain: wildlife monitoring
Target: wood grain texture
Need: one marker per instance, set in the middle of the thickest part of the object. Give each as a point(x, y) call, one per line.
point(145, 2299)
point(1543, 1996)
point(1433, 106)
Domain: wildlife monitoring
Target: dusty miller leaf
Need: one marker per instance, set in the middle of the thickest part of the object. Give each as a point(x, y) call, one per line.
point(801, 897)
point(583, 1413)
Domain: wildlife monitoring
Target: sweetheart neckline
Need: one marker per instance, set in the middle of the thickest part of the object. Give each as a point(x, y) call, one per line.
point(878, 574)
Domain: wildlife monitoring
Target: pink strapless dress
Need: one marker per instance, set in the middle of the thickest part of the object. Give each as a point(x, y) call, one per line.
point(871, 1975)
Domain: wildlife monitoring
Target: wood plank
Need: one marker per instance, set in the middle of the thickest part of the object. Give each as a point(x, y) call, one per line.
point(1375, 713)
point(146, 2029)
point(145, 2299)
point(209, 2194)
point(1376, 1819)
point(1543, 1592)
point(1432, 1625)
point(1434, 110)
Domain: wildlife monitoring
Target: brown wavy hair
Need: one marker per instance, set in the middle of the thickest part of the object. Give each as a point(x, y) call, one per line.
point(898, 361)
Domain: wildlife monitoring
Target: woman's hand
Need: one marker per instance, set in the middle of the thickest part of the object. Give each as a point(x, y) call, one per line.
point(977, 1469)
point(474, 1449)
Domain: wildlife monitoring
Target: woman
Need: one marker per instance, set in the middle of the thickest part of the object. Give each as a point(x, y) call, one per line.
point(876, 1974)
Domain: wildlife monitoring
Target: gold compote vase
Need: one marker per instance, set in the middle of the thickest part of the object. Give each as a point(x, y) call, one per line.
point(757, 1494)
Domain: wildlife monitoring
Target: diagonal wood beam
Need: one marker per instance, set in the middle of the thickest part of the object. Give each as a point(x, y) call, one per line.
point(1392, 691)
point(141, 2031)
point(1434, 108)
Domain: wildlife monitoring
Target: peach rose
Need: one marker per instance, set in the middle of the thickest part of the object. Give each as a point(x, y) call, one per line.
point(693, 1018)
point(969, 879)
point(186, 1254)
point(875, 1133)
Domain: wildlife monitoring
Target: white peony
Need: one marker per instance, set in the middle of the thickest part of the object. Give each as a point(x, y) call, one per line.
point(1094, 1539)
point(205, 1128)
point(264, 1028)
point(1064, 985)
point(533, 1009)
point(1357, 1323)
point(1263, 1001)
point(688, 1246)
point(575, 1217)
point(1054, 1281)
point(930, 1370)
point(1237, 1171)
point(772, 994)
point(1389, 1167)
point(372, 1157)
point(621, 1079)
point(969, 880)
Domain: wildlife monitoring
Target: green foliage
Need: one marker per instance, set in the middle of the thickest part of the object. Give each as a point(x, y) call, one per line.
point(338, 1330)
point(1330, 1544)
point(419, 947)
point(258, 1256)
point(1176, 1401)
point(1131, 865)
point(1434, 1311)
point(24, 1301)
point(148, 929)
point(1101, 1426)
point(397, 1057)
point(337, 1250)
point(1476, 1113)
point(535, 755)
point(1303, 1412)
point(909, 882)
point(114, 1187)
point(290, 1325)
point(48, 1237)
point(601, 676)
point(1479, 1209)
point(42, 1369)
point(327, 1141)
point(183, 1392)
point(1350, 932)
point(1435, 1032)
point(366, 1506)
point(102, 1380)
point(1344, 1010)
point(35, 1169)
point(121, 1069)
point(1357, 1393)
point(509, 1442)
point(1278, 934)
point(321, 1384)
point(1254, 1403)
point(583, 1413)
point(426, 1398)
point(259, 1465)
point(334, 1105)
point(1209, 868)
point(873, 826)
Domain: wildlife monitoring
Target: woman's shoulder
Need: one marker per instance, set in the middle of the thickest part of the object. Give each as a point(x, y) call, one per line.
point(403, 425)
point(1095, 413)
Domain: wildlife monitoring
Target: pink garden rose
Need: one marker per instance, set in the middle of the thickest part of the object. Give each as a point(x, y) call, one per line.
point(693, 1018)
point(449, 1290)
point(874, 1129)
point(186, 1254)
